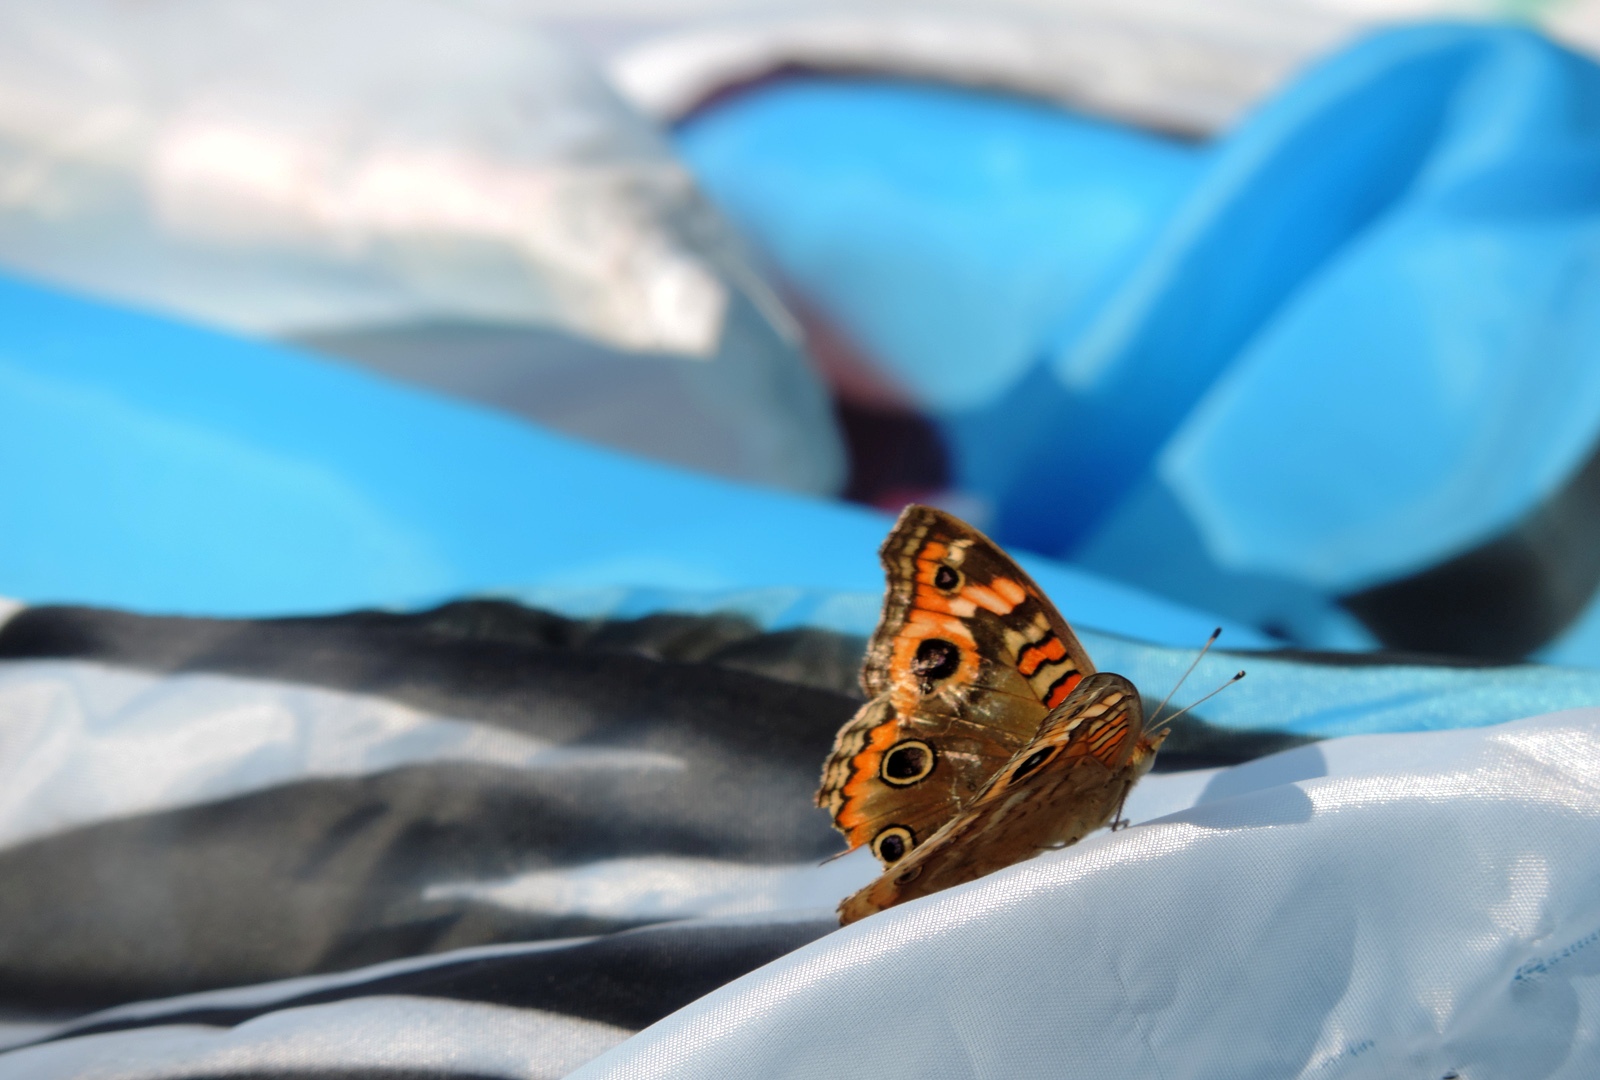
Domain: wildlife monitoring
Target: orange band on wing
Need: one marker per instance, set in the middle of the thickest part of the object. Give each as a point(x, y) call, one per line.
point(1106, 737)
point(928, 599)
point(1035, 655)
point(921, 625)
point(1058, 693)
point(929, 624)
point(863, 770)
point(928, 560)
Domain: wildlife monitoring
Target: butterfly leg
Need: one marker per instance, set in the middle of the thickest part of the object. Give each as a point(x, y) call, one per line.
point(1117, 820)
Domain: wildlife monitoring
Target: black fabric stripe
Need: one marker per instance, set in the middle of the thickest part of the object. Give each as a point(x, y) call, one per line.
point(328, 875)
point(177, 1070)
point(331, 875)
point(533, 671)
point(461, 659)
point(432, 657)
point(1506, 597)
point(629, 980)
point(735, 728)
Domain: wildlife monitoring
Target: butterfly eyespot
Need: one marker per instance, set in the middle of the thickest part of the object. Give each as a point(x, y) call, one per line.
point(947, 578)
point(1033, 761)
point(906, 763)
point(891, 845)
point(936, 659)
point(908, 876)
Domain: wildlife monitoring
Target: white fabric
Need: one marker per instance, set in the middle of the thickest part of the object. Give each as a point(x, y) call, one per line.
point(410, 1036)
point(414, 185)
point(280, 991)
point(661, 887)
point(1423, 905)
point(309, 166)
point(82, 742)
point(1173, 64)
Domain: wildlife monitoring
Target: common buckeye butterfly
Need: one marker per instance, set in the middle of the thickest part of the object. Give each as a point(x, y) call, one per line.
point(988, 737)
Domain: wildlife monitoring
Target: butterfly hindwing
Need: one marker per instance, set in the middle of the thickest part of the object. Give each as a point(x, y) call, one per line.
point(892, 781)
point(1062, 785)
point(967, 660)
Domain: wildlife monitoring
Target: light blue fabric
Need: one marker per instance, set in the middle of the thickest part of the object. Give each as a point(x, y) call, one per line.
point(1426, 378)
point(155, 466)
point(1349, 339)
point(943, 230)
point(1282, 197)
point(1292, 693)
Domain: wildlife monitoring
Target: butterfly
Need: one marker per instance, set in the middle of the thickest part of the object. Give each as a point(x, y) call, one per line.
point(988, 737)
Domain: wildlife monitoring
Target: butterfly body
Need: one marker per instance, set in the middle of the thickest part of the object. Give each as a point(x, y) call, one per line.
point(988, 737)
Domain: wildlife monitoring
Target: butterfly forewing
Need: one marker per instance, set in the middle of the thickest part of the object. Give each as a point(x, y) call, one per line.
point(1059, 787)
point(967, 660)
point(950, 584)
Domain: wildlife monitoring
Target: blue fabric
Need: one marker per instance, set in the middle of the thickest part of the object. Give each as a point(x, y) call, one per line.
point(942, 230)
point(1416, 357)
point(1425, 903)
point(1426, 383)
point(1289, 692)
point(151, 465)
point(1363, 337)
point(1266, 317)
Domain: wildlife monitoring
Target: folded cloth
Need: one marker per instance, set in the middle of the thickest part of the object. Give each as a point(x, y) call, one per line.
point(452, 198)
point(1420, 905)
point(1374, 903)
point(511, 836)
point(1331, 373)
point(156, 466)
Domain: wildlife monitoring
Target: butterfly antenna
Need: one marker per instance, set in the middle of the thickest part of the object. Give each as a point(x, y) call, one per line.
point(1210, 641)
point(1168, 721)
point(848, 850)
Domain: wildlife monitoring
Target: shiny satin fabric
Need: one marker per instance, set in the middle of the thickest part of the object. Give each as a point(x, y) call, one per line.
point(523, 837)
point(1421, 905)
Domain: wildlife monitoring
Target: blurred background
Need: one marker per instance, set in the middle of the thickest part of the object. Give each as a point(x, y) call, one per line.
point(445, 445)
point(1283, 312)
